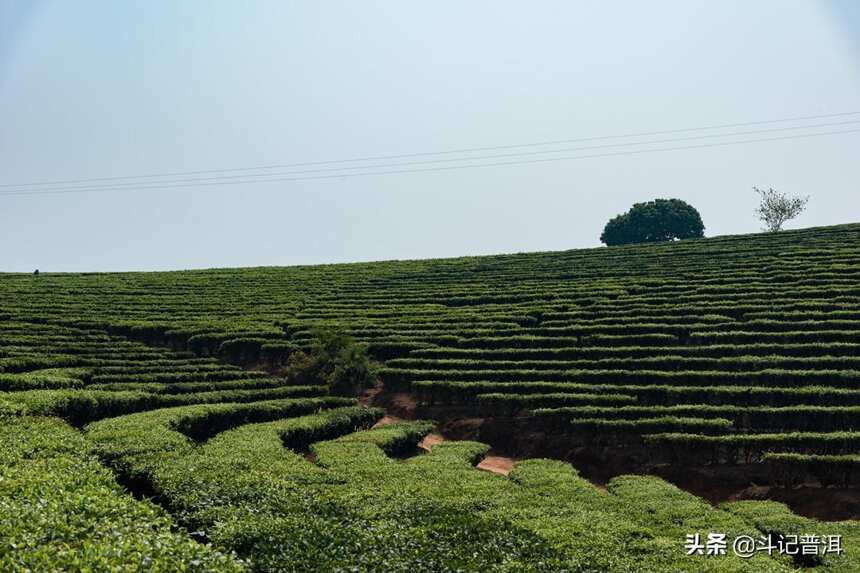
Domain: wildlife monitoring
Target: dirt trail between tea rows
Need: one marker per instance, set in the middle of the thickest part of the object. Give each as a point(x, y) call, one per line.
point(492, 463)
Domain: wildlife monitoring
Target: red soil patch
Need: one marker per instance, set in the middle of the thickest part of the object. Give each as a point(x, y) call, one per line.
point(431, 440)
point(387, 421)
point(491, 463)
point(497, 465)
point(824, 504)
point(370, 395)
point(400, 404)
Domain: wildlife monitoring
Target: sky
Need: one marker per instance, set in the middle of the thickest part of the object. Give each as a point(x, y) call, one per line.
point(113, 89)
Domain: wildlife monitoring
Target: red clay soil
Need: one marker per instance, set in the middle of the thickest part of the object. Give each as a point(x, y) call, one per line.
point(713, 483)
point(388, 420)
point(431, 440)
point(401, 404)
point(370, 396)
point(497, 464)
point(824, 504)
point(491, 463)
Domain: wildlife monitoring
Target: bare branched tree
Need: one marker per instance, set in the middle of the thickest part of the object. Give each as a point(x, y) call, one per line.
point(776, 208)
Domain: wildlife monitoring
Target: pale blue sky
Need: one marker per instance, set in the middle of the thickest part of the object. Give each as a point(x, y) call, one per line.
point(96, 89)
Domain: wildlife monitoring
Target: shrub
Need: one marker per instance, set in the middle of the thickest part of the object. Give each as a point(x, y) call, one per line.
point(335, 360)
point(776, 208)
point(654, 221)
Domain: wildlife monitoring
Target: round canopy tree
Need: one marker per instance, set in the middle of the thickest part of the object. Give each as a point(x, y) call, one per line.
point(654, 221)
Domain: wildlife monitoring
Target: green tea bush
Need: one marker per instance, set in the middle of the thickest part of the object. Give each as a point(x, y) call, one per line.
point(62, 511)
point(335, 360)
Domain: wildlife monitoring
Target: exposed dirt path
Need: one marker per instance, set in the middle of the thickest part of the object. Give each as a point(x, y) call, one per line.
point(431, 440)
point(388, 420)
point(497, 464)
point(491, 463)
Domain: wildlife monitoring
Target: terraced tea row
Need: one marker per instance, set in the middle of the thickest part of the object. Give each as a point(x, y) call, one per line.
point(764, 312)
point(252, 489)
point(735, 351)
point(84, 375)
point(235, 474)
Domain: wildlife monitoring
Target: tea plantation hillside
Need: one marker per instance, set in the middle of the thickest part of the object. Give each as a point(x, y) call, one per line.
point(145, 426)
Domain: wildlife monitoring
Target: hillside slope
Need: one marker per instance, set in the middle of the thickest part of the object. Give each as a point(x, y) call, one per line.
point(733, 358)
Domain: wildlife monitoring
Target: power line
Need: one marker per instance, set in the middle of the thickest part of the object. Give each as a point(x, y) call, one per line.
point(428, 153)
point(437, 168)
point(245, 177)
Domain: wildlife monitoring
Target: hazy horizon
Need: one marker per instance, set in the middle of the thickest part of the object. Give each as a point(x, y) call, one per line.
point(89, 90)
